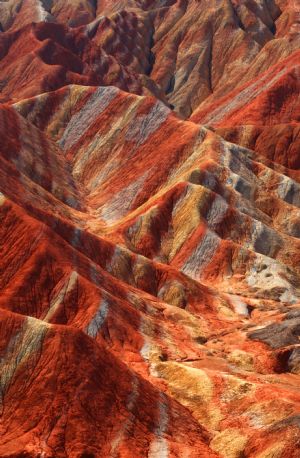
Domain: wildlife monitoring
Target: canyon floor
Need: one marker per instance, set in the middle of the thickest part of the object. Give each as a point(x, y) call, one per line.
point(150, 228)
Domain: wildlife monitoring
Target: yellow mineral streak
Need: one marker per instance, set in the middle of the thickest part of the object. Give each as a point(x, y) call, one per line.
point(2, 199)
point(275, 451)
point(241, 359)
point(64, 113)
point(236, 388)
point(229, 443)
point(194, 326)
point(193, 388)
point(187, 216)
point(266, 413)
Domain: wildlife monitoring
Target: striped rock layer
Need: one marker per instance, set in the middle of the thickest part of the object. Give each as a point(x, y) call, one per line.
point(150, 229)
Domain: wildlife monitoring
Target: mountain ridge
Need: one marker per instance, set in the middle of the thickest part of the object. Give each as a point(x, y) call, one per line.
point(150, 226)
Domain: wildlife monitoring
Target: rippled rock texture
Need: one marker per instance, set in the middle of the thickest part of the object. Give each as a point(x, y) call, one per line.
point(150, 228)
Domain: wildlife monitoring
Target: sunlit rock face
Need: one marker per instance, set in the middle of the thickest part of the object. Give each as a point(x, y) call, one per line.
point(150, 228)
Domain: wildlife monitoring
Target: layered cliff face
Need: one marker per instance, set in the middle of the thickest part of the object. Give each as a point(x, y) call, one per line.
point(150, 228)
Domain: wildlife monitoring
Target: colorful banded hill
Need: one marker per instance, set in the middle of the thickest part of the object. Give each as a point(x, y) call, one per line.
point(150, 229)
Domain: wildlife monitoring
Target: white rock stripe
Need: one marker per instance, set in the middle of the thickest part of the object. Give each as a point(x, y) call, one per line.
point(239, 306)
point(289, 191)
point(126, 426)
point(83, 119)
point(202, 255)
point(67, 287)
point(121, 203)
point(140, 128)
point(21, 345)
point(247, 95)
point(41, 13)
point(106, 146)
point(98, 320)
point(159, 447)
point(216, 212)
point(147, 330)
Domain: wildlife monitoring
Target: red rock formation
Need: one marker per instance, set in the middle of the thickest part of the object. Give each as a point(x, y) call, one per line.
point(150, 226)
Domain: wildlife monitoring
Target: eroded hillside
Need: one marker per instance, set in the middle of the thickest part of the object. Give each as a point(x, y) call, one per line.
point(150, 228)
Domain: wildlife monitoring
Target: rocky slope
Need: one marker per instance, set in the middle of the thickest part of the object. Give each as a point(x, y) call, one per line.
point(150, 229)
